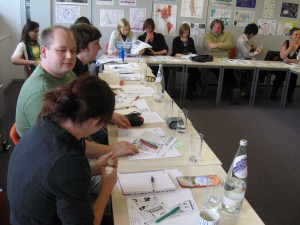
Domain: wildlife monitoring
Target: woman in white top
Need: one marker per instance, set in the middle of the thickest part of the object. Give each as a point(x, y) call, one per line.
point(121, 37)
point(27, 52)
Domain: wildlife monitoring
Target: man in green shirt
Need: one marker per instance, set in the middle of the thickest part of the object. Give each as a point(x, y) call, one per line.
point(58, 54)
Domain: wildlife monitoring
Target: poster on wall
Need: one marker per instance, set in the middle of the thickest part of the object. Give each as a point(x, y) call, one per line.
point(165, 16)
point(289, 10)
point(284, 27)
point(127, 2)
point(192, 8)
point(66, 13)
point(165, 1)
point(222, 2)
point(197, 32)
point(105, 2)
point(243, 18)
point(110, 18)
point(137, 17)
point(246, 3)
point(266, 27)
point(222, 14)
point(268, 11)
point(72, 2)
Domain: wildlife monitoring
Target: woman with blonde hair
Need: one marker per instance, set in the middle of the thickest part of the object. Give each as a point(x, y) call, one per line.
point(121, 37)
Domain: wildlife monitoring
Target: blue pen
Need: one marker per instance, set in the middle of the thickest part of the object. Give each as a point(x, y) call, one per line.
point(168, 214)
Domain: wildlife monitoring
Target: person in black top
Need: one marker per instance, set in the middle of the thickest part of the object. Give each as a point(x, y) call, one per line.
point(87, 39)
point(49, 177)
point(184, 45)
point(158, 43)
point(289, 52)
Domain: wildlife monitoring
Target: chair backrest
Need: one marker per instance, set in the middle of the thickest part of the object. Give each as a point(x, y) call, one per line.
point(273, 56)
point(232, 53)
point(13, 134)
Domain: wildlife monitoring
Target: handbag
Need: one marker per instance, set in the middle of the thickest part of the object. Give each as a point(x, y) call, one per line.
point(202, 58)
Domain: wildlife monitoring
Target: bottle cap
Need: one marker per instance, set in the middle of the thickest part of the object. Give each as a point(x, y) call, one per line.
point(243, 142)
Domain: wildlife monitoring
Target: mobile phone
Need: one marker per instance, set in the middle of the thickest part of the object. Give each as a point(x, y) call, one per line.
point(197, 181)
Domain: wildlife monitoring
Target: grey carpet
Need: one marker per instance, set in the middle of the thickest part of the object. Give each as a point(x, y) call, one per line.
point(273, 148)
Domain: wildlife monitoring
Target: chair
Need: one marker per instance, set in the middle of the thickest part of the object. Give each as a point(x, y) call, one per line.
point(13, 134)
point(3, 209)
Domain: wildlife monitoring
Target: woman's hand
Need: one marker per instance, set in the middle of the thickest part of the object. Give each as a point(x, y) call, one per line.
point(120, 120)
point(122, 148)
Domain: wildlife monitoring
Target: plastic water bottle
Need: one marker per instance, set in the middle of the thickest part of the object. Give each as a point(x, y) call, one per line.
point(236, 181)
point(121, 54)
point(159, 85)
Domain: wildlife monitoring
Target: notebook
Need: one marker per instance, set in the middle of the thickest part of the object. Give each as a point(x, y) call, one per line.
point(145, 182)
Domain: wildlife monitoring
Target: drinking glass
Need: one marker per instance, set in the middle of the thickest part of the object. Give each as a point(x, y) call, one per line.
point(213, 192)
point(168, 108)
point(182, 120)
point(195, 147)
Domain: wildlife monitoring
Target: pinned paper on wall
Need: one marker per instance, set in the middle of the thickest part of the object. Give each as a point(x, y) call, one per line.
point(243, 18)
point(289, 10)
point(197, 32)
point(72, 2)
point(268, 10)
point(222, 14)
point(192, 8)
point(136, 18)
point(284, 27)
point(67, 13)
point(266, 27)
point(165, 16)
point(127, 2)
point(105, 2)
point(110, 18)
point(222, 2)
point(246, 3)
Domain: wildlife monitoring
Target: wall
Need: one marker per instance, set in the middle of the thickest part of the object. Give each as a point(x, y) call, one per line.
point(10, 25)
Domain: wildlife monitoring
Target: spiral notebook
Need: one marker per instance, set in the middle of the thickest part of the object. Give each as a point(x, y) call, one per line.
point(145, 182)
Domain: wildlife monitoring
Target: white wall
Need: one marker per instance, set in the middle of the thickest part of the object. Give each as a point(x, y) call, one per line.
point(10, 24)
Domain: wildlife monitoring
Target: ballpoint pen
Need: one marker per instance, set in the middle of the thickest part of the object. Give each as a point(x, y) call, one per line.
point(168, 214)
point(152, 182)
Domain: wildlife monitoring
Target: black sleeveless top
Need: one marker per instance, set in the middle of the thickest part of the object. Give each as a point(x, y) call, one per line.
point(294, 56)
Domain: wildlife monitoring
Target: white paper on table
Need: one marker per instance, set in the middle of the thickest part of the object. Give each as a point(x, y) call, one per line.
point(130, 76)
point(161, 203)
point(141, 105)
point(129, 66)
point(137, 90)
point(130, 135)
point(152, 117)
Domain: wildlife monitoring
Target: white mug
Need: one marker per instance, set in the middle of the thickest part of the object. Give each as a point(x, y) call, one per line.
point(209, 217)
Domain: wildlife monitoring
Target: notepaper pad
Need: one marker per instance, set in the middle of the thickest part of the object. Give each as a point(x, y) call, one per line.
point(140, 182)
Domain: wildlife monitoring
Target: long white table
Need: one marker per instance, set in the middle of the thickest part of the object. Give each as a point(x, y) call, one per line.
point(209, 165)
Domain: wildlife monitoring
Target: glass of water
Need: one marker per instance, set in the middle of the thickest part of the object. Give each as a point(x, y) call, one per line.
point(182, 120)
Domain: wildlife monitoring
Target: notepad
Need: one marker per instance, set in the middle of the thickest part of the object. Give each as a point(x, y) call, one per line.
point(140, 182)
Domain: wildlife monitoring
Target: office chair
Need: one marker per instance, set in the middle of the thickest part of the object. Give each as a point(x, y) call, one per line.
point(13, 134)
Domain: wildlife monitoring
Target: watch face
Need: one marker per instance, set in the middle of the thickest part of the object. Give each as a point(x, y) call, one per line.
point(68, 14)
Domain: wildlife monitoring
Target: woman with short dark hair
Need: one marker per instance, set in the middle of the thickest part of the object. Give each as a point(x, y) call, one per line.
point(49, 177)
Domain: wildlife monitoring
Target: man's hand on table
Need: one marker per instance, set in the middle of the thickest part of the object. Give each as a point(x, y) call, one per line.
point(123, 148)
point(120, 120)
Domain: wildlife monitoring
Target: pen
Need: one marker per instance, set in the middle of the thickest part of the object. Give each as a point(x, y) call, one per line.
point(168, 214)
point(148, 143)
point(152, 182)
point(136, 98)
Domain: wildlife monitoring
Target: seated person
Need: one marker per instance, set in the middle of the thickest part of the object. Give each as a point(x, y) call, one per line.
point(245, 50)
point(218, 42)
point(51, 154)
point(27, 52)
point(183, 45)
point(122, 37)
point(158, 43)
point(289, 51)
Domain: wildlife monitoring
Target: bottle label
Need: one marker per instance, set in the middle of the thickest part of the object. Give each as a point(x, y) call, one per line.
point(239, 168)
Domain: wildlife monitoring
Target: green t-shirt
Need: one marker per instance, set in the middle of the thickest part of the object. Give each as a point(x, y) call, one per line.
point(30, 98)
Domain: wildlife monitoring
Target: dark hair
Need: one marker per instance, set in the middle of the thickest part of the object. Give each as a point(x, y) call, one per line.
point(82, 19)
point(251, 28)
point(47, 35)
point(293, 30)
point(217, 21)
point(149, 22)
point(29, 26)
point(183, 28)
point(84, 34)
point(84, 98)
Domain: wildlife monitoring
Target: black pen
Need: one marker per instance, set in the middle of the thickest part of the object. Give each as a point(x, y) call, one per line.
point(152, 182)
